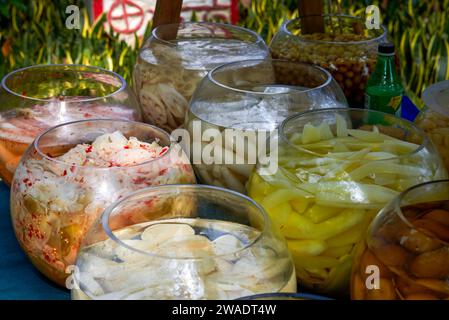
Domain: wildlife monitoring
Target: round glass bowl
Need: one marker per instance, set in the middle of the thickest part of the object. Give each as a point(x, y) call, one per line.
point(250, 99)
point(434, 119)
point(176, 57)
point(284, 296)
point(37, 98)
point(345, 47)
point(336, 169)
point(183, 242)
point(72, 172)
point(406, 252)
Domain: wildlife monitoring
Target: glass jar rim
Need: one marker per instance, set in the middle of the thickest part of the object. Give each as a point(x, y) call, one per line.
point(286, 24)
point(297, 90)
point(424, 142)
point(397, 203)
point(255, 35)
point(72, 67)
point(284, 295)
point(176, 189)
point(51, 159)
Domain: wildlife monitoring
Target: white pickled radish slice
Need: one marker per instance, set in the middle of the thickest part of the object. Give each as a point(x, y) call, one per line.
point(187, 246)
point(226, 244)
point(160, 233)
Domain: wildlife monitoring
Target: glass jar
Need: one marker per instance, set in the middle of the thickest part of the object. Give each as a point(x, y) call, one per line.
point(250, 99)
point(346, 48)
point(434, 119)
point(37, 98)
point(183, 242)
point(72, 172)
point(176, 57)
point(336, 169)
point(406, 252)
point(284, 296)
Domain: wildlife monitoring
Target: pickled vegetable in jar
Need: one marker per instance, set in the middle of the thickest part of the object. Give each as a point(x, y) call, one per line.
point(168, 70)
point(347, 49)
point(434, 120)
point(239, 104)
point(336, 170)
point(406, 252)
point(72, 172)
point(183, 242)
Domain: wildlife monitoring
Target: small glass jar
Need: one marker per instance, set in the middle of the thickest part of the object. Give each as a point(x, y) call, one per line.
point(182, 242)
point(346, 48)
point(176, 57)
point(37, 98)
point(250, 99)
point(434, 119)
point(406, 252)
point(336, 169)
point(58, 192)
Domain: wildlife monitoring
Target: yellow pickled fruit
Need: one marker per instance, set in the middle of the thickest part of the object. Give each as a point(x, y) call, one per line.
point(433, 264)
point(357, 288)
point(391, 255)
point(421, 296)
point(386, 291)
point(369, 259)
point(418, 242)
point(407, 288)
point(319, 213)
point(433, 227)
point(441, 216)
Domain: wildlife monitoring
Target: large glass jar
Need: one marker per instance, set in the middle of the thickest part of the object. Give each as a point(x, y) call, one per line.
point(177, 56)
point(346, 48)
point(406, 253)
point(240, 103)
point(72, 172)
point(434, 119)
point(37, 98)
point(183, 242)
point(337, 169)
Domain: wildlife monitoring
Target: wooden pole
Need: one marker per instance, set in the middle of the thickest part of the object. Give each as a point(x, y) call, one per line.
point(167, 12)
point(313, 8)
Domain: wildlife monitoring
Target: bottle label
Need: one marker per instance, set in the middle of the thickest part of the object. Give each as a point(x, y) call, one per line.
point(387, 104)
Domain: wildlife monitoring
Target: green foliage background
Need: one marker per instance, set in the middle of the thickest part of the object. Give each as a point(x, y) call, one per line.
point(34, 32)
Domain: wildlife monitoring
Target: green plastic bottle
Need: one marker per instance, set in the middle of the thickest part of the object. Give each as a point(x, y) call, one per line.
point(384, 89)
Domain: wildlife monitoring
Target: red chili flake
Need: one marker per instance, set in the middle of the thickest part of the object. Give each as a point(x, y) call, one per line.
point(163, 171)
point(126, 147)
point(163, 151)
point(29, 184)
point(139, 180)
point(148, 203)
point(89, 149)
point(47, 257)
point(64, 173)
point(24, 93)
point(72, 169)
point(26, 180)
point(87, 115)
point(33, 216)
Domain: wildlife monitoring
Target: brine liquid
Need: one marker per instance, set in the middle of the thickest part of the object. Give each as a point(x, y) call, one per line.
point(236, 264)
point(204, 54)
